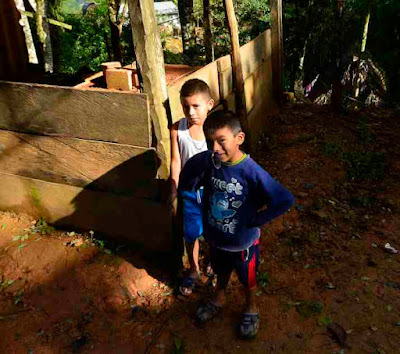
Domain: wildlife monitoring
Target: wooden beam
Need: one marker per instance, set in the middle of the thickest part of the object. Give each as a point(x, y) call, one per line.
point(120, 117)
point(149, 55)
point(49, 20)
point(96, 165)
point(121, 218)
point(277, 47)
point(238, 81)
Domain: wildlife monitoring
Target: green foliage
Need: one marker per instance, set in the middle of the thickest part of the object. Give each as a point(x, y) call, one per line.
point(86, 46)
point(364, 165)
point(178, 347)
point(364, 133)
point(253, 17)
point(326, 38)
point(363, 201)
point(5, 283)
point(263, 279)
point(331, 149)
point(308, 308)
point(324, 320)
point(42, 227)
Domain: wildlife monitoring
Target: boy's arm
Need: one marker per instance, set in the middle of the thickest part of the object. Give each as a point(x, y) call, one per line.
point(273, 195)
point(192, 175)
point(175, 163)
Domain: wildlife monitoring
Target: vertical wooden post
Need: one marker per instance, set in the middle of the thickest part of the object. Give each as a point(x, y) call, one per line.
point(149, 55)
point(237, 73)
point(208, 40)
point(277, 47)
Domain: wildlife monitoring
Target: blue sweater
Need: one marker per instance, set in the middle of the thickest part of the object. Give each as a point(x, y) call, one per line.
point(234, 199)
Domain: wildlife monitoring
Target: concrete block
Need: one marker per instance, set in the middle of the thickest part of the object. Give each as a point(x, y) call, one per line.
point(119, 79)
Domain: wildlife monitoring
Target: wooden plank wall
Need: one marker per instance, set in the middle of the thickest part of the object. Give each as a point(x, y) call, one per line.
point(208, 73)
point(135, 219)
point(119, 117)
point(257, 72)
point(82, 159)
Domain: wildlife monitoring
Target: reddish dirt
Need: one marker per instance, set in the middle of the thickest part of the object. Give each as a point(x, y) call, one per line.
point(325, 262)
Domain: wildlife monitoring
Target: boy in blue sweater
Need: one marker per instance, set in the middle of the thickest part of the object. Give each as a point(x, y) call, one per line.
point(239, 197)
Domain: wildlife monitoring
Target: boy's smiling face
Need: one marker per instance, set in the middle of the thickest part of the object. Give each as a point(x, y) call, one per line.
point(196, 108)
point(226, 144)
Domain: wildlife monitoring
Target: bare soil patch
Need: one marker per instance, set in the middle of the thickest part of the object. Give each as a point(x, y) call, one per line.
point(323, 262)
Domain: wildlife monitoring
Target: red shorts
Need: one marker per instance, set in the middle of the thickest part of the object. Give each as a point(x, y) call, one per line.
point(245, 263)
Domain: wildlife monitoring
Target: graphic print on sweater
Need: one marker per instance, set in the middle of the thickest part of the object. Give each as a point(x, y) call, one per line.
point(224, 201)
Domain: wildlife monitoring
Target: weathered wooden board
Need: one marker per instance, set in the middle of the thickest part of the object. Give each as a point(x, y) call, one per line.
point(255, 52)
point(117, 168)
point(128, 218)
point(88, 114)
point(208, 74)
point(253, 55)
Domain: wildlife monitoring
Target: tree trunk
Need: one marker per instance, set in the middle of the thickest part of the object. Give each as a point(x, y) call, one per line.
point(237, 73)
point(336, 85)
point(277, 49)
point(363, 45)
point(185, 8)
point(43, 33)
point(116, 30)
point(208, 40)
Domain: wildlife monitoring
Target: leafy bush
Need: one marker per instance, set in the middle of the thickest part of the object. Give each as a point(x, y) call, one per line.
point(364, 165)
point(87, 44)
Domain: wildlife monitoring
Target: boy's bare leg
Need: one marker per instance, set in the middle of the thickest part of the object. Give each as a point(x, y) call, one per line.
point(251, 304)
point(192, 249)
point(193, 257)
point(222, 282)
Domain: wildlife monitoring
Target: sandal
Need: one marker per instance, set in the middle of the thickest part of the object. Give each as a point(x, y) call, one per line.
point(249, 325)
point(209, 271)
point(207, 311)
point(187, 286)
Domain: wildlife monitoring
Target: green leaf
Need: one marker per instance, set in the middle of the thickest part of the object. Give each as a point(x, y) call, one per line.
point(3, 226)
point(16, 238)
point(24, 237)
point(22, 245)
point(324, 320)
point(177, 343)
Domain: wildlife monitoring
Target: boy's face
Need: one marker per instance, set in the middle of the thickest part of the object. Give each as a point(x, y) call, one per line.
point(196, 108)
point(226, 144)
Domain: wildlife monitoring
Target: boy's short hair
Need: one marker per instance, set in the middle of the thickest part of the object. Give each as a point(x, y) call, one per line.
point(221, 119)
point(195, 86)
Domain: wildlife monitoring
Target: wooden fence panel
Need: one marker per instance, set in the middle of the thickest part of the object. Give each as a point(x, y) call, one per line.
point(208, 73)
point(136, 219)
point(116, 168)
point(88, 114)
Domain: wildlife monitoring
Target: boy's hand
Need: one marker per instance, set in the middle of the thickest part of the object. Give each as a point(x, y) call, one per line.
point(173, 202)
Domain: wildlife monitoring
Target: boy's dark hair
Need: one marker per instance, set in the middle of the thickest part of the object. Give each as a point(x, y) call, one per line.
point(195, 86)
point(221, 119)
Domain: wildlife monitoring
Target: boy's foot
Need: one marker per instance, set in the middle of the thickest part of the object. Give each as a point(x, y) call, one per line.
point(249, 325)
point(187, 286)
point(209, 271)
point(207, 311)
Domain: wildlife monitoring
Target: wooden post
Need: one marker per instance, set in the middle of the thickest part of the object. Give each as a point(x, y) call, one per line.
point(149, 55)
point(277, 47)
point(237, 73)
point(208, 40)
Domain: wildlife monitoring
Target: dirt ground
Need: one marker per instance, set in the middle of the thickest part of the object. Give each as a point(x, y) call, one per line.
point(323, 262)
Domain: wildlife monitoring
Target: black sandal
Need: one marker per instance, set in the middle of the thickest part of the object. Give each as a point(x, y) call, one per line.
point(249, 325)
point(207, 311)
